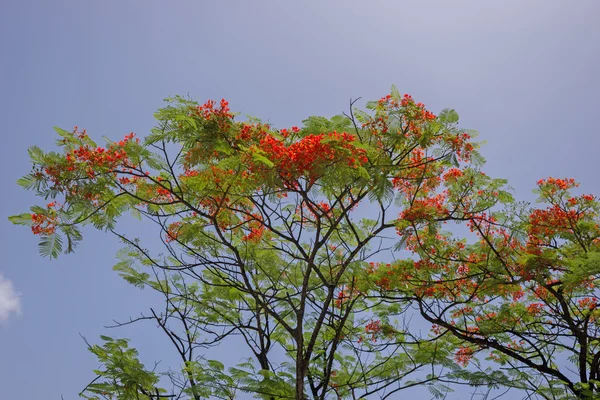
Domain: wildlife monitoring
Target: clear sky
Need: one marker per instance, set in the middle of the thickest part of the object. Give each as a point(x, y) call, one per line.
point(523, 73)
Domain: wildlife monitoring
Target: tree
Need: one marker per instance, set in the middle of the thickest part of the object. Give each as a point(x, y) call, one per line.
point(280, 240)
point(522, 293)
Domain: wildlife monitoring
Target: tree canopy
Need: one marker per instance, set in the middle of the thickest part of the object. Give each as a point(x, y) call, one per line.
point(332, 252)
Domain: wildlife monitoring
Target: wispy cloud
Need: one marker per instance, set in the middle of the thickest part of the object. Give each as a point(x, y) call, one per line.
point(10, 301)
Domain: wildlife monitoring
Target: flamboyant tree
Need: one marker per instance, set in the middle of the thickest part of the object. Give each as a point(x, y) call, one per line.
point(521, 293)
point(278, 241)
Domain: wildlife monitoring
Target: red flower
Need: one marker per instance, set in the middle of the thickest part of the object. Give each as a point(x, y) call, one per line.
point(463, 356)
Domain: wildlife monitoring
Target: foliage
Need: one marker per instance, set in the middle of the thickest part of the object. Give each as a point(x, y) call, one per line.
point(288, 242)
point(522, 293)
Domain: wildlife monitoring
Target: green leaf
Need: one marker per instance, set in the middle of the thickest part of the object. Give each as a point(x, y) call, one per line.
point(127, 272)
point(454, 160)
point(395, 93)
point(156, 162)
point(36, 155)
point(448, 116)
point(383, 191)
point(262, 159)
point(216, 365)
point(28, 181)
point(21, 219)
point(66, 135)
point(136, 214)
point(361, 116)
point(505, 197)
point(50, 246)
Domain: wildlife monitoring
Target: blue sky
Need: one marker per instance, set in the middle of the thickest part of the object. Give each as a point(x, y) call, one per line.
point(523, 73)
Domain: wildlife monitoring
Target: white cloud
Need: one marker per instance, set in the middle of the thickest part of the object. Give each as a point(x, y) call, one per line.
point(10, 301)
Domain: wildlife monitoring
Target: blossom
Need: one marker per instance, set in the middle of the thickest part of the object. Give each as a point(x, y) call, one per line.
point(463, 355)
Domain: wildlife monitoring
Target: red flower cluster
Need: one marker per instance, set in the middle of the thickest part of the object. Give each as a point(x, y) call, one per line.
point(96, 159)
point(419, 174)
point(311, 154)
point(535, 308)
point(249, 132)
point(462, 311)
point(208, 110)
point(344, 295)
point(43, 224)
point(483, 222)
point(189, 173)
point(80, 134)
point(256, 227)
point(588, 303)
point(552, 221)
point(173, 231)
point(452, 174)
point(557, 184)
point(318, 210)
point(163, 195)
point(284, 132)
point(461, 146)
point(413, 116)
point(383, 274)
point(586, 198)
point(463, 356)
point(426, 209)
point(518, 295)
point(417, 110)
point(373, 328)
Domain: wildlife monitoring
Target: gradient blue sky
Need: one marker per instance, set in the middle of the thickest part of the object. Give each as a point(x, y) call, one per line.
point(523, 73)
